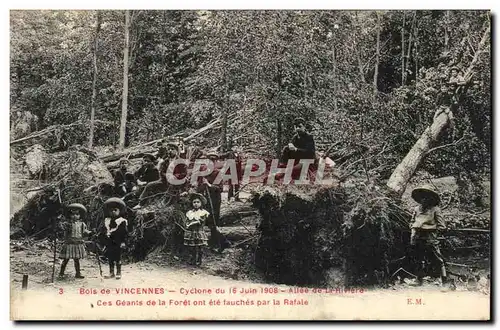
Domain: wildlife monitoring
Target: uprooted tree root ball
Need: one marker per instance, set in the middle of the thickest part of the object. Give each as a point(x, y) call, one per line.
point(351, 232)
point(66, 179)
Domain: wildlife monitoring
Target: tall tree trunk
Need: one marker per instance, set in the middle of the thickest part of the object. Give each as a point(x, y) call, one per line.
point(408, 49)
point(377, 57)
point(94, 80)
point(358, 54)
point(446, 22)
point(279, 137)
point(334, 76)
point(416, 53)
point(403, 50)
point(123, 121)
point(225, 112)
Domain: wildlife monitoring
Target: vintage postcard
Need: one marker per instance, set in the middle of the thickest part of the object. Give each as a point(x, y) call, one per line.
point(250, 165)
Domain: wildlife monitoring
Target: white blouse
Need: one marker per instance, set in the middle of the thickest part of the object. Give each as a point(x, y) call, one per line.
point(197, 214)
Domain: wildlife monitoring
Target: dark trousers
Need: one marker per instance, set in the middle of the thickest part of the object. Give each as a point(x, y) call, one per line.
point(427, 248)
point(114, 255)
point(287, 154)
point(114, 252)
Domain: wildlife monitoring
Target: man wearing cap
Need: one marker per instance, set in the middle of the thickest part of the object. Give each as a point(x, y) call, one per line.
point(426, 222)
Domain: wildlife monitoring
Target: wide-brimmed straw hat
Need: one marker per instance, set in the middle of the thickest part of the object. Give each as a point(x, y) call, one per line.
point(115, 202)
point(79, 207)
point(428, 191)
point(194, 196)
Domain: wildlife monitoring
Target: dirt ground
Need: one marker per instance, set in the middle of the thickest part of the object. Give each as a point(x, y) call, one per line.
point(168, 283)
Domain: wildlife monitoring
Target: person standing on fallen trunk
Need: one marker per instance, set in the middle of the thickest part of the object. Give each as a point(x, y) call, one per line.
point(116, 232)
point(74, 245)
point(426, 222)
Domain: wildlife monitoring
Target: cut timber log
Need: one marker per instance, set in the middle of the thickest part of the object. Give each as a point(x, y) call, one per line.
point(405, 170)
point(235, 234)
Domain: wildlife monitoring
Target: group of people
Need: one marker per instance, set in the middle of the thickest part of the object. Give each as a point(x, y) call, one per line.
point(150, 179)
point(427, 220)
point(114, 233)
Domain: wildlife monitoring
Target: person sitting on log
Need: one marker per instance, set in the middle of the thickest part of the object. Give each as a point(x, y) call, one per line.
point(302, 145)
point(444, 100)
point(147, 172)
point(119, 177)
point(74, 245)
point(194, 236)
point(426, 222)
point(161, 154)
point(115, 234)
point(455, 77)
point(162, 184)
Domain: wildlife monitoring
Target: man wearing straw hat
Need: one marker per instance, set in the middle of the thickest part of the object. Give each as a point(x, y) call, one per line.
point(116, 231)
point(426, 222)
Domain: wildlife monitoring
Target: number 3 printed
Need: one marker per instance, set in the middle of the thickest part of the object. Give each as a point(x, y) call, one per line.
point(61, 291)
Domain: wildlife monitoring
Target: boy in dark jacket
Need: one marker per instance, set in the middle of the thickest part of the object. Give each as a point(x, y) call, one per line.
point(115, 231)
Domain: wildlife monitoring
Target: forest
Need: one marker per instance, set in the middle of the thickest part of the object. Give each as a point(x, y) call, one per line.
point(370, 85)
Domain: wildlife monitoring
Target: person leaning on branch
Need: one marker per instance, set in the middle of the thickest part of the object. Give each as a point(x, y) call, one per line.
point(427, 221)
point(74, 245)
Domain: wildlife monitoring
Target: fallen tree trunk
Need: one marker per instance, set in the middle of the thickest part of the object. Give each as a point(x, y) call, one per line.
point(238, 233)
point(139, 150)
point(405, 170)
point(52, 129)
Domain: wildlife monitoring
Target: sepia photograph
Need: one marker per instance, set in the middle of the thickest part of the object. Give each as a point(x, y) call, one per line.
point(328, 165)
